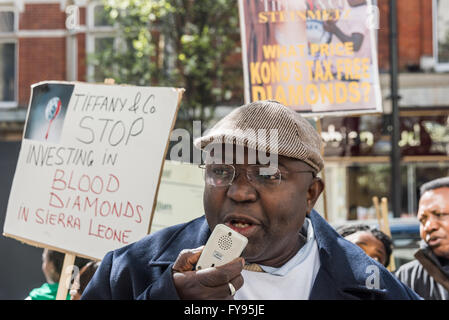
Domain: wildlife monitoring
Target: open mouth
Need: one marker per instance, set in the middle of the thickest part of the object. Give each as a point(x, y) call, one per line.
point(242, 225)
point(433, 241)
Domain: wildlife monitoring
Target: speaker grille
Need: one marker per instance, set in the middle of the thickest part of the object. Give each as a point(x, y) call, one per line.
point(225, 242)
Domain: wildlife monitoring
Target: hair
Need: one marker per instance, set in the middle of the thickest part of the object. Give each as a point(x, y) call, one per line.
point(434, 184)
point(347, 230)
point(86, 273)
point(57, 259)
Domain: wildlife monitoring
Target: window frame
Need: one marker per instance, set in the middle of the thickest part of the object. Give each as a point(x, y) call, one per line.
point(11, 37)
point(438, 66)
point(94, 32)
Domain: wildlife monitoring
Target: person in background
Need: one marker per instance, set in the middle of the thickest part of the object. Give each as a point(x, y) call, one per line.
point(374, 242)
point(82, 279)
point(51, 267)
point(52, 262)
point(428, 274)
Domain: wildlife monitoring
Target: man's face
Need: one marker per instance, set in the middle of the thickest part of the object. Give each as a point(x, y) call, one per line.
point(270, 217)
point(433, 216)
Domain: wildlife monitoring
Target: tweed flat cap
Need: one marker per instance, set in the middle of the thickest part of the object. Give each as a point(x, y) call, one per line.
point(268, 126)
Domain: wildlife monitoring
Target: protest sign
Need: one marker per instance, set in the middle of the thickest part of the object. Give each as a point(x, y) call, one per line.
point(178, 179)
point(316, 56)
point(89, 167)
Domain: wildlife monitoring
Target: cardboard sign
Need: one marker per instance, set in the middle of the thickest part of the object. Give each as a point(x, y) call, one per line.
point(89, 166)
point(316, 56)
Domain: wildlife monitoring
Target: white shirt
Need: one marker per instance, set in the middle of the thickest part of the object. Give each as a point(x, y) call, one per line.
point(292, 281)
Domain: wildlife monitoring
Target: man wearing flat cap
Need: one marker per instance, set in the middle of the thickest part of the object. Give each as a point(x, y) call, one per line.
point(261, 168)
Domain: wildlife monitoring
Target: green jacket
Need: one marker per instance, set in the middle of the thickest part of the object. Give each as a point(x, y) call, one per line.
point(47, 291)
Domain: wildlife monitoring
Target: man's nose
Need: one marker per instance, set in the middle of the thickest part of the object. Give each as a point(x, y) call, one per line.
point(241, 190)
point(431, 224)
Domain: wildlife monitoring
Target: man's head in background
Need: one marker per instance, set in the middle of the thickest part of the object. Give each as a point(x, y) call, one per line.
point(374, 242)
point(433, 215)
point(52, 262)
point(262, 162)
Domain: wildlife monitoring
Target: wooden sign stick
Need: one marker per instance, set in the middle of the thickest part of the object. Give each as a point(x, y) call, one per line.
point(66, 274)
point(386, 229)
point(378, 214)
point(385, 223)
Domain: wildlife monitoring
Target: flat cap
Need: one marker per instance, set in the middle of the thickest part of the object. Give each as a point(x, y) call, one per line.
point(268, 126)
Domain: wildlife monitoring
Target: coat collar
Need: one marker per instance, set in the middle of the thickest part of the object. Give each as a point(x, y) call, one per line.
point(190, 235)
point(429, 254)
point(336, 278)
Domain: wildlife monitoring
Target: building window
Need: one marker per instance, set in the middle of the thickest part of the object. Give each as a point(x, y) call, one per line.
point(101, 44)
point(8, 58)
point(101, 37)
point(101, 17)
point(441, 35)
point(7, 21)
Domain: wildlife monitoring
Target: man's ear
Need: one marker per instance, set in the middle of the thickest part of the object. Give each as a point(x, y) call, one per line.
point(314, 191)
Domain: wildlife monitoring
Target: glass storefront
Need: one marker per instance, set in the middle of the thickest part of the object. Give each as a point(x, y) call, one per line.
point(358, 163)
point(358, 168)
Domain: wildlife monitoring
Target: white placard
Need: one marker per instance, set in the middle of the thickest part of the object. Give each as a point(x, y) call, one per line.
point(180, 197)
point(89, 165)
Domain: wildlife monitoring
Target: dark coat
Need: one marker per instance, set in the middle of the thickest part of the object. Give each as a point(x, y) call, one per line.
point(142, 270)
point(415, 275)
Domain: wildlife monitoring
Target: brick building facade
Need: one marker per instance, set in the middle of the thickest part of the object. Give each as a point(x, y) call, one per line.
point(414, 33)
point(41, 41)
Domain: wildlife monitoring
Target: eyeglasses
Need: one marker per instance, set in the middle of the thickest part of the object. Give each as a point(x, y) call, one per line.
point(222, 175)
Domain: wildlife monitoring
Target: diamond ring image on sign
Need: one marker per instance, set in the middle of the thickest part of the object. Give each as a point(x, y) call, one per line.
point(52, 111)
point(48, 108)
